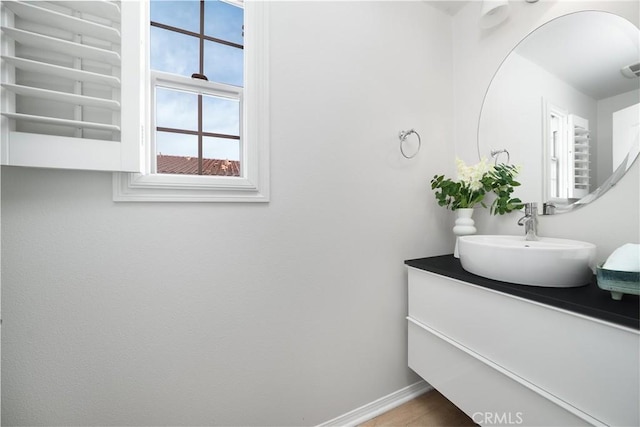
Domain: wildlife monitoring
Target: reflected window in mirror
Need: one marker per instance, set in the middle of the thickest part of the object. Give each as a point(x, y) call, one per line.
point(559, 107)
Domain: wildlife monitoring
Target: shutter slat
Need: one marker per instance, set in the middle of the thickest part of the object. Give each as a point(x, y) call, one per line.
point(56, 70)
point(75, 25)
point(65, 59)
point(62, 46)
point(62, 122)
point(103, 8)
point(65, 97)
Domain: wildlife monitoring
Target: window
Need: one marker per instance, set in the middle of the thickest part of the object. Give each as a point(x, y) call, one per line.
point(566, 170)
point(78, 93)
point(208, 133)
point(196, 120)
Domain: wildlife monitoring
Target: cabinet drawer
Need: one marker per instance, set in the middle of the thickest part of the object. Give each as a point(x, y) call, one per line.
point(590, 364)
point(482, 392)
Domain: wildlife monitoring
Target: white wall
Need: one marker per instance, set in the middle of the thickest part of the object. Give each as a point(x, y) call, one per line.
point(606, 108)
point(287, 313)
point(610, 221)
point(512, 117)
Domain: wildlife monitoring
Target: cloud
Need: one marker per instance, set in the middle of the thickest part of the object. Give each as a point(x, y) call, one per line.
point(176, 109)
point(223, 63)
point(174, 52)
point(223, 21)
point(221, 115)
point(181, 14)
point(175, 144)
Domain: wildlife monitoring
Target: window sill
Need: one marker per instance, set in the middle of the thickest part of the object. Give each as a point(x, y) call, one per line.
point(132, 187)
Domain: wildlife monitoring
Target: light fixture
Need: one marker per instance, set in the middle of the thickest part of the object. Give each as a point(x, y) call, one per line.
point(493, 12)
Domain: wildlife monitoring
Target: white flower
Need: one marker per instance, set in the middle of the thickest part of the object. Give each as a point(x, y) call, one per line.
point(471, 175)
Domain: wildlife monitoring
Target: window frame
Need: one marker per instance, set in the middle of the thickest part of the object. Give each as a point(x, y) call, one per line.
point(253, 183)
point(160, 79)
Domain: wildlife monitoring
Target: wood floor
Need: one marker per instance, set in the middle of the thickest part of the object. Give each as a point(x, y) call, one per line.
point(430, 409)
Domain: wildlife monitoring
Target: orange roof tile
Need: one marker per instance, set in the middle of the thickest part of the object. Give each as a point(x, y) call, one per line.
point(189, 166)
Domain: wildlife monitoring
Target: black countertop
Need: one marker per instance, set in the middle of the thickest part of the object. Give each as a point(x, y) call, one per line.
point(588, 300)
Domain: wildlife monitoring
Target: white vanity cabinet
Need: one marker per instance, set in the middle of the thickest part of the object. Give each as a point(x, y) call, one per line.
point(505, 359)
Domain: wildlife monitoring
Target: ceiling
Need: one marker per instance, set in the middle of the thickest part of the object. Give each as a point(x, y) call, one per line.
point(587, 50)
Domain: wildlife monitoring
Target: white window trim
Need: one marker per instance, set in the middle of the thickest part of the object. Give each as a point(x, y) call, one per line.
point(253, 185)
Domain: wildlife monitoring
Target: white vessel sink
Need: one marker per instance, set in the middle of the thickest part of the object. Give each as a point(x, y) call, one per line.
point(557, 263)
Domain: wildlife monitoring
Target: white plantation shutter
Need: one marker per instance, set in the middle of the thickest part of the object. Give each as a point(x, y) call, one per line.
point(72, 84)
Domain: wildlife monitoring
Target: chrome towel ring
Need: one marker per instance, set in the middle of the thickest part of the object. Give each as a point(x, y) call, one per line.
point(496, 153)
point(403, 136)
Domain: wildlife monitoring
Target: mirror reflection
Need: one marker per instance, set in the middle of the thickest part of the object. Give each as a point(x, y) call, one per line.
point(565, 105)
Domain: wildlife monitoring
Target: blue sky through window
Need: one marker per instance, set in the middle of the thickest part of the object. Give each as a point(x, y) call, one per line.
point(182, 14)
point(178, 53)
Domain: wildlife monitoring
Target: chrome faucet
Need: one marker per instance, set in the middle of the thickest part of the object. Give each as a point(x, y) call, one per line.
point(530, 221)
point(548, 208)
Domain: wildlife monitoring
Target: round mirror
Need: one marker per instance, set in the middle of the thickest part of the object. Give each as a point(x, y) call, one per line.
point(565, 106)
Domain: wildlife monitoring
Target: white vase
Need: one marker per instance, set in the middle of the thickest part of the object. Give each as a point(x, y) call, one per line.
point(464, 226)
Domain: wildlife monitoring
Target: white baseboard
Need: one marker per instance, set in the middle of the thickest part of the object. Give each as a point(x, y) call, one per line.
point(379, 406)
